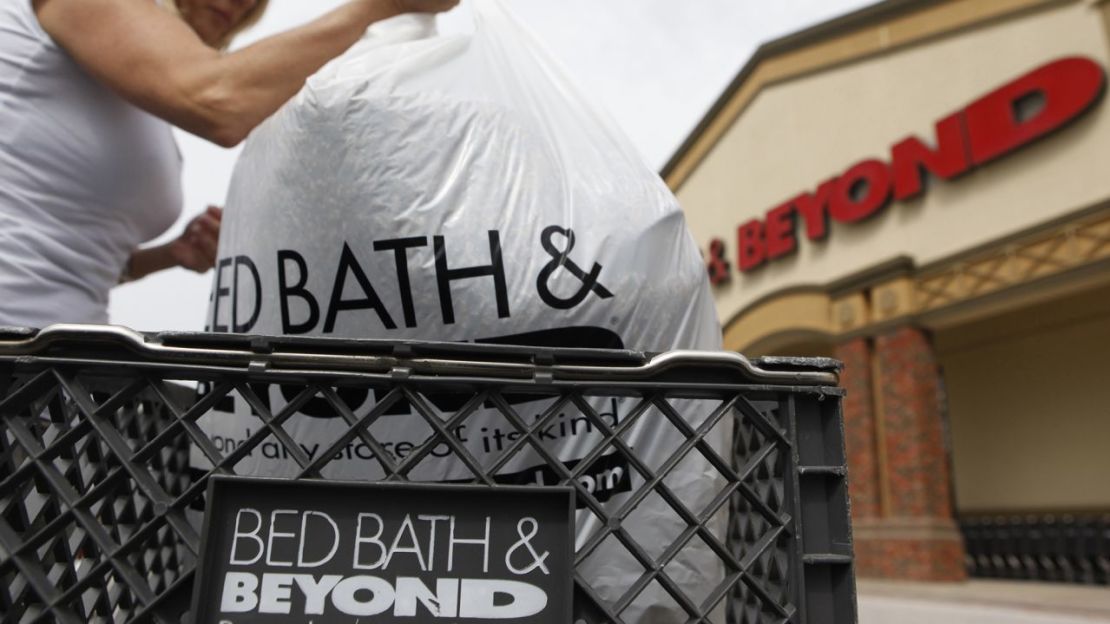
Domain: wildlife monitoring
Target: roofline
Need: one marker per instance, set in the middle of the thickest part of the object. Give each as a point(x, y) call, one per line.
point(882, 10)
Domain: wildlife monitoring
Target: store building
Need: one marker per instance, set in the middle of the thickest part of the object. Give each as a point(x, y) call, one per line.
point(922, 190)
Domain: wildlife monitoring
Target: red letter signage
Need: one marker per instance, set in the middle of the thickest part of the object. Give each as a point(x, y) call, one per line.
point(862, 191)
point(814, 208)
point(1044, 100)
point(753, 253)
point(911, 156)
point(779, 233)
point(1068, 87)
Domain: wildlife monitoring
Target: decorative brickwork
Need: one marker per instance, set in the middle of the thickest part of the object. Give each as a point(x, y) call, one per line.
point(917, 463)
point(859, 429)
point(936, 556)
point(899, 474)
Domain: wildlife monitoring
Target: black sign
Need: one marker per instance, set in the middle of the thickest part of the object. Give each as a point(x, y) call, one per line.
point(322, 552)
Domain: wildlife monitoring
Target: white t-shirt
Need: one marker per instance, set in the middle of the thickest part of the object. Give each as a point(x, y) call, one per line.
point(85, 177)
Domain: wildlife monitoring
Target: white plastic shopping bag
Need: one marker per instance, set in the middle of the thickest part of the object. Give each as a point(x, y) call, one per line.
point(460, 189)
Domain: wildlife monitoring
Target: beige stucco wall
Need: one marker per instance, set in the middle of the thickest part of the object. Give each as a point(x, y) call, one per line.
point(1029, 404)
point(797, 134)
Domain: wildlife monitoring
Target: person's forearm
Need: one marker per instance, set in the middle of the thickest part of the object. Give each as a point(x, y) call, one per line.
point(157, 62)
point(144, 262)
point(241, 89)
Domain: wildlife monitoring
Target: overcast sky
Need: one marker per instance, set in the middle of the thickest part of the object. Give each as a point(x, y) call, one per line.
point(655, 65)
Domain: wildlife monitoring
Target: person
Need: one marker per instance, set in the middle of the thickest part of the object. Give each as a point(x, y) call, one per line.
point(89, 168)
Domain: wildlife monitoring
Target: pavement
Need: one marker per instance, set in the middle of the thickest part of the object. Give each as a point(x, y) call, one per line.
point(982, 602)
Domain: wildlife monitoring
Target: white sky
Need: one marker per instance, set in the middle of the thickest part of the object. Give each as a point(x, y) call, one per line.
point(655, 65)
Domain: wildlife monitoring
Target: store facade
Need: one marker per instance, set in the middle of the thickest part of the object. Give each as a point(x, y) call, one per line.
point(922, 190)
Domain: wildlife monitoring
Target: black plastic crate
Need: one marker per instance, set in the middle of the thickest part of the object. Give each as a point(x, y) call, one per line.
point(98, 504)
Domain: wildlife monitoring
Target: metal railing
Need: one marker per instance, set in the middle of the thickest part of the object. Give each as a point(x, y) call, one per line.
point(98, 495)
point(1052, 548)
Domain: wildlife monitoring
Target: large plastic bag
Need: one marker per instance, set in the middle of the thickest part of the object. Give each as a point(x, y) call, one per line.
point(460, 189)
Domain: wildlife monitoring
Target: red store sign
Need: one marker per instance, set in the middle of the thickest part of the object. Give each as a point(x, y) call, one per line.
point(997, 124)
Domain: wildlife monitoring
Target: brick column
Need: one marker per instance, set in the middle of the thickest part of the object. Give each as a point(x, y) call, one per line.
point(860, 437)
point(913, 429)
point(914, 535)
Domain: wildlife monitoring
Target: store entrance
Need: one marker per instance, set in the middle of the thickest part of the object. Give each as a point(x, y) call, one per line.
point(1028, 395)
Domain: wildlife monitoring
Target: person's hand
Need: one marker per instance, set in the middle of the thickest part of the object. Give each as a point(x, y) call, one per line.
point(196, 248)
point(425, 6)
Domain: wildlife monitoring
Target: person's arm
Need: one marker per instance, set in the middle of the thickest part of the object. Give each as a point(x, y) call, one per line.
point(195, 249)
point(155, 61)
